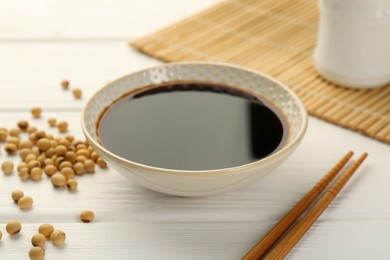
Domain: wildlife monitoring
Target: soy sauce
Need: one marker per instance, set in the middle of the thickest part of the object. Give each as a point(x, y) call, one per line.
point(191, 126)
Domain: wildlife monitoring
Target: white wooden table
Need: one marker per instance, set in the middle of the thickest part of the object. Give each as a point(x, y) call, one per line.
point(45, 41)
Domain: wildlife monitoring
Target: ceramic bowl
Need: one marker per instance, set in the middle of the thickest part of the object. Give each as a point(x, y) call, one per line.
point(204, 182)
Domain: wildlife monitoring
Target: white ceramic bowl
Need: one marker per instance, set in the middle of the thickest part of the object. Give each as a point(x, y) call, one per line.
point(205, 182)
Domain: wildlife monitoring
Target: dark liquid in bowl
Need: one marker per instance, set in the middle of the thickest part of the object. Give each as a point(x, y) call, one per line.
point(190, 126)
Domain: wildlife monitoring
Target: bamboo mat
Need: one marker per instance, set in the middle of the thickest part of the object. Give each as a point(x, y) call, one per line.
point(276, 37)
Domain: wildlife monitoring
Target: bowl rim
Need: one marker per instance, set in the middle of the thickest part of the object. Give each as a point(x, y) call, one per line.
point(278, 155)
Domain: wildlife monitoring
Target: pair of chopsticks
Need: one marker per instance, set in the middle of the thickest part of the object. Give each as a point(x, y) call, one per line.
point(291, 238)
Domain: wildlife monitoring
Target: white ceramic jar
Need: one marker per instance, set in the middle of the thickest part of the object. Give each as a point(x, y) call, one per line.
point(353, 42)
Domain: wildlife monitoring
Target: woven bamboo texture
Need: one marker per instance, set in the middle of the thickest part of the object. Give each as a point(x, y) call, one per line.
point(276, 37)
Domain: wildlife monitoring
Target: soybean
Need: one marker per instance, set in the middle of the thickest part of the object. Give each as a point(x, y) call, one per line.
point(7, 167)
point(77, 93)
point(67, 172)
point(24, 174)
point(62, 126)
point(25, 144)
point(25, 202)
point(52, 122)
point(13, 227)
point(89, 166)
point(3, 135)
point(65, 84)
point(36, 253)
point(23, 125)
point(58, 180)
point(38, 240)
point(70, 156)
point(101, 163)
point(58, 237)
point(60, 150)
point(31, 129)
point(15, 132)
point(36, 173)
point(36, 112)
point(71, 184)
point(43, 144)
point(50, 169)
point(10, 148)
point(16, 195)
point(87, 216)
point(78, 168)
point(46, 229)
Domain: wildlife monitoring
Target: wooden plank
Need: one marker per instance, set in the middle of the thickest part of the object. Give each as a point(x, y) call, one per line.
point(134, 223)
point(31, 72)
point(209, 240)
point(90, 19)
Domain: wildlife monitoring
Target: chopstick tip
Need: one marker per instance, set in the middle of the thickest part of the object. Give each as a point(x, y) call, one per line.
point(364, 155)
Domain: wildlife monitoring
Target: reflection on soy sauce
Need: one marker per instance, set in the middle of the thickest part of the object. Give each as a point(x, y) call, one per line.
point(266, 130)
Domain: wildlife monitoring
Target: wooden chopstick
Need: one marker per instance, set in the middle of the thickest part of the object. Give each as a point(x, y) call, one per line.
point(291, 238)
point(290, 217)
